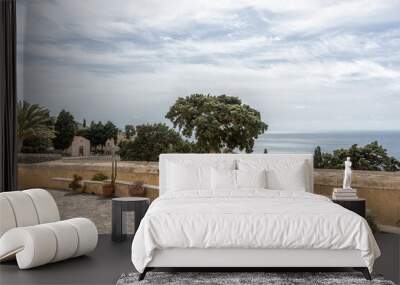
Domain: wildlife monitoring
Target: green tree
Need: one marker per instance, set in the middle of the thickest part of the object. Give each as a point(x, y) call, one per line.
point(93, 133)
point(36, 145)
point(130, 131)
point(218, 123)
point(318, 162)
point(33, 121)
point(369, 157)
point(65, 130)
point(98, 133)
point(110, 131)
point(151, 141)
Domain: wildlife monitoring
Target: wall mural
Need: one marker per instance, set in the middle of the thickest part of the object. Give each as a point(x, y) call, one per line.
point(208, 76)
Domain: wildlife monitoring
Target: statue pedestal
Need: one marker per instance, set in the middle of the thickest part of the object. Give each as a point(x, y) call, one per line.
point(344, 194)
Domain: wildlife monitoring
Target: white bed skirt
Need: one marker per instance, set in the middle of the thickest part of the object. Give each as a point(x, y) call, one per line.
point(189, 257)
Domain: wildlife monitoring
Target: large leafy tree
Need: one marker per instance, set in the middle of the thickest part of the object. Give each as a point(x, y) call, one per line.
point(33, 121)
point(152, 140)
point(218, 123)
point(65, 128)
point(369, 157)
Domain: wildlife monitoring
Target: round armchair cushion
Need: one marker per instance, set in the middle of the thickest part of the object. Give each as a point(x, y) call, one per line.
point(23, 208)
point(33, 246)
point(87, 234)
point(67, 240)
point(37, 245)
point(7, 220)
point(45, 205)
point(26, 208)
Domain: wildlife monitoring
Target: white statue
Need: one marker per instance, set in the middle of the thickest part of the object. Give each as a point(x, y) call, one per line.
point(347, 174)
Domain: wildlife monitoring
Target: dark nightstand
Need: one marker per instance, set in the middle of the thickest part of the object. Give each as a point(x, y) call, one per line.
point(126, 204)
point(357, 205)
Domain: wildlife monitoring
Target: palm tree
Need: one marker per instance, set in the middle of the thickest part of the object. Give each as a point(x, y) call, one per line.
point(33, 121)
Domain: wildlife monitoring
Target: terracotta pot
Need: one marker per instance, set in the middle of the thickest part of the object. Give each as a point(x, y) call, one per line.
point(136, 189)
point(108, 190)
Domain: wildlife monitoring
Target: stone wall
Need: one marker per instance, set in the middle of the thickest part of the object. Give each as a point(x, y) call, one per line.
point(41, 175)
point(381, 189)
point(37, 157)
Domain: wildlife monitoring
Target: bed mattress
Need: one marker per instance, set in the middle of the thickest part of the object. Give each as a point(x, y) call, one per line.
point(250, 219)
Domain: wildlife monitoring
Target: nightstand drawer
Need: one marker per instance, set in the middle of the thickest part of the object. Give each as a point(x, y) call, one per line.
point(357, 206)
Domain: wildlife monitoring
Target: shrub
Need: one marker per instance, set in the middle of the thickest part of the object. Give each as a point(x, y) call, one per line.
point(36, 145)
point(369, 157)
point(99, 177)
point(153, 139)
point(372, 224)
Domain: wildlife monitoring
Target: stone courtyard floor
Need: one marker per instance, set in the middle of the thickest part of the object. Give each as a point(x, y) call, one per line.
point(85, 205)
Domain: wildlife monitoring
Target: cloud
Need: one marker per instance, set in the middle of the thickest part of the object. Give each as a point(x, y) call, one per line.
point(327, 15)
point(299, 62)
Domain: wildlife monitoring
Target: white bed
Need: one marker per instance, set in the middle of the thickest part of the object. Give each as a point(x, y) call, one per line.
point(279, 225)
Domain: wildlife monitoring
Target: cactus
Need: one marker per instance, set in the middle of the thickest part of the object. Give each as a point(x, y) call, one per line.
point(113, 171)
point(109, 189)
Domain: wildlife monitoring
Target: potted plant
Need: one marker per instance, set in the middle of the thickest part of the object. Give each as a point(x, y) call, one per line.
point(109, 188)
point(76, 183)
point(136, 189)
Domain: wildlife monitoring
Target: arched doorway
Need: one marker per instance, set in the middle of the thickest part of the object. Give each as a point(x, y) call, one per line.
point(81, 150)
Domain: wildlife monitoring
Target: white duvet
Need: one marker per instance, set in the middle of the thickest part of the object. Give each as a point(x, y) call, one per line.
point(250, 219)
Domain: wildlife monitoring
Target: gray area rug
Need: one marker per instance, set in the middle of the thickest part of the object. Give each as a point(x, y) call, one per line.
point(227, 278)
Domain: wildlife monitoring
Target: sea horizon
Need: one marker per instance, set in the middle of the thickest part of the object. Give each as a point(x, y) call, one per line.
point(306, 142)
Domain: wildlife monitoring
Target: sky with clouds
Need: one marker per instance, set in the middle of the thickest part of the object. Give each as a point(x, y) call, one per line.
point(305, 65)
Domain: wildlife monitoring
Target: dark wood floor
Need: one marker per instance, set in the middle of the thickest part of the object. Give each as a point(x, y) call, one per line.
point(110, 260)
point(103, 266)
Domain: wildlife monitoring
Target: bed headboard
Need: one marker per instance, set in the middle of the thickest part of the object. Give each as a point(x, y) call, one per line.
point(209, 158)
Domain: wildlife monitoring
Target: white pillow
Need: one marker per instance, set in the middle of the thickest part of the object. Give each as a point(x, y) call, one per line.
point(293, 179)
point(282, 174)
point(251, 178)
point(223, 179)
point(183, 177)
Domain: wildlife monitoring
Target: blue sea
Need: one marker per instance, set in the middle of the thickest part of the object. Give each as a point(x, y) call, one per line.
point(329, 141)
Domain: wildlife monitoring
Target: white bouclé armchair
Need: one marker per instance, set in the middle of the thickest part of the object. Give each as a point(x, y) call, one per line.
point(31, 230)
